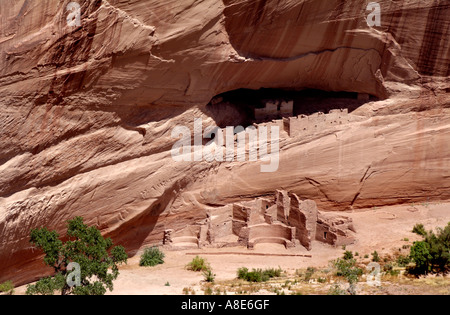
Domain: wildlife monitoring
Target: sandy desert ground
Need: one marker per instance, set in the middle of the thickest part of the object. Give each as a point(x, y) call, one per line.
point(384, 229)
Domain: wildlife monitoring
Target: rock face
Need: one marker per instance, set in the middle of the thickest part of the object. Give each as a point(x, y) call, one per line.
point(88, 111)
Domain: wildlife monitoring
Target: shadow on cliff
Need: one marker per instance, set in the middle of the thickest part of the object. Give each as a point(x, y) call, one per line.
point(149, 225)
point(237, 107)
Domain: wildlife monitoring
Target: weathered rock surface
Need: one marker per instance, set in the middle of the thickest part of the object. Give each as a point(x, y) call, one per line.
point(87, 112)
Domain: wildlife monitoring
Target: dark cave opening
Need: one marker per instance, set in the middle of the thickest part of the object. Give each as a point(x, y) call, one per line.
point(245, 106)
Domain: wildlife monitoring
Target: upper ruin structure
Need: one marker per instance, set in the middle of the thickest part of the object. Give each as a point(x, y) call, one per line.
point(285, 219)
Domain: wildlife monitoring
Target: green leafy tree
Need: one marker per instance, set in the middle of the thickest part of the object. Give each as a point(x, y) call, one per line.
point(440, 248)
point(433, 252)
point(420, 253)
point(97, 258)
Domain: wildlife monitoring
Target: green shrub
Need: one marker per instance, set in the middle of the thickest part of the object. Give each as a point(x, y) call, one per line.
point(272, 272)
point(403, 261)
point(242, 273)
point(198, 264)
point(346, 268)
point(309, 273)
point(419, 229)
point(321, 280)
point(336, 290)
point(209, 275)
point(348, 255)
point(151, 257)
point(258, 275)
point(375, 256)
point(7, 287)
point(389, 269)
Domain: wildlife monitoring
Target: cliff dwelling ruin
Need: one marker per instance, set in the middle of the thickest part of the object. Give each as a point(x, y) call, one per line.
point(283, 219)
point(246, 107)
point(296, 113)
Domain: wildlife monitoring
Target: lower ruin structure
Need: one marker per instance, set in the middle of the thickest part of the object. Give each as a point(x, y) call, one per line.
point(285, 219)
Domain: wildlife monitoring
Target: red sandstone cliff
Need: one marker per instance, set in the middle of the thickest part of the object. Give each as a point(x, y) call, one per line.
point(87, 112)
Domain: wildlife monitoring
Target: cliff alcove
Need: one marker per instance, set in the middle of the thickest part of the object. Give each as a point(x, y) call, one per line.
point(245, 106)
